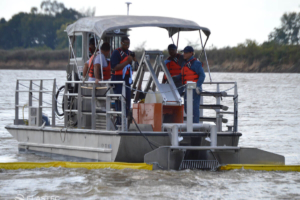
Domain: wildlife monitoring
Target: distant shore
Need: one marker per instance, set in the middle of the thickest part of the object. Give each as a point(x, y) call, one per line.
point(222, 60)
point(237, 66)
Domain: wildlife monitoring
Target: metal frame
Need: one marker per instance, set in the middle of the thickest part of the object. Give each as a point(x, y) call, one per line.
point(109, 98)
point(219, 114)
point(168, 91)
point(40, 99)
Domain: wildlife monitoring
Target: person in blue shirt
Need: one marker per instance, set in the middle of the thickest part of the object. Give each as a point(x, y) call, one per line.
point(121, 66)
point(192, 71)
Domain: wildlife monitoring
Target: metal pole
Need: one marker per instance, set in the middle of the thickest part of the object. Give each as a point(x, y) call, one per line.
point(93, 104)
point(218, 116)
point(79, 106)
point(174, 139)
point(66, 105)
point(108, 104)
point(30, 95)
point(172, 40)
point(17, 104)
point(53, 102)
point(189, 107)
point(213, 136)
point(178, 38)
point(70, 45)
point(128, 4)
point(205, 56)
point(123, 109)
point(235, 100)
point(39, 119)
point(201, 110)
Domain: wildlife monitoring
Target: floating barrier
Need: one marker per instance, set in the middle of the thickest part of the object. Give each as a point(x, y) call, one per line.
point(295, 168)
point(87, 165)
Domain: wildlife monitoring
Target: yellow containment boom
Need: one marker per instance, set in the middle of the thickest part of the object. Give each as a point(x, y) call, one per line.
point(87, 165)
point(295, 168)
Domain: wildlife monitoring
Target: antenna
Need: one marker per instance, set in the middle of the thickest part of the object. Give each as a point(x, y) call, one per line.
point(128, 4)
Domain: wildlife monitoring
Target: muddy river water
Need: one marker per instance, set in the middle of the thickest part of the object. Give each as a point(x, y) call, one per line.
point(269, 118)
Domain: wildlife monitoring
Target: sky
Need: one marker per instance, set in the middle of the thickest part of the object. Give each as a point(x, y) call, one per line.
point(231, 22)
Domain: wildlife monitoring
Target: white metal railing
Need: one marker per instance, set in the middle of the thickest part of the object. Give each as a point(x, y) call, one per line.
point(218, 94)
point(40, 92)
point(108, 98)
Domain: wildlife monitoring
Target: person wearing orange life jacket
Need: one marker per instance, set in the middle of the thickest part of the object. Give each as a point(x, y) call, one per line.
point(93, 65)
point(92, 49)
point(121, 65)
point(192, 71)
point(174, 62)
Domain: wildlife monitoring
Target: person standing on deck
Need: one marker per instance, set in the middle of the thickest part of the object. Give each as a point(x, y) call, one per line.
point(174, 62)
point(93, 66)
point(121, 65)
point(192, 71)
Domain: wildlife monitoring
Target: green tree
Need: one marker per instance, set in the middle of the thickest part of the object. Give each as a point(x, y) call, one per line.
point(289, 32)
point(62, 38)
point(37, 30)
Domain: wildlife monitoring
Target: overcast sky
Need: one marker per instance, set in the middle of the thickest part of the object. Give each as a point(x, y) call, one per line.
point(231, 22)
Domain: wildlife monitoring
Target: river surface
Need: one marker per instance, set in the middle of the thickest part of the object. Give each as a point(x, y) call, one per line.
point(269, 118)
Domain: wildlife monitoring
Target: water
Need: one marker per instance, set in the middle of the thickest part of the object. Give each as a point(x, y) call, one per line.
point(269, 118)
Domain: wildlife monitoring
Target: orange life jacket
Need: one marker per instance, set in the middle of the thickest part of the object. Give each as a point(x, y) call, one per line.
point(173, 66)
point(106, 70)
point(124, 58)
point(187, 74)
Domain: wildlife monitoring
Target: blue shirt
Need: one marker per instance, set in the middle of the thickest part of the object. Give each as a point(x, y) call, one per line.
point(115, 58)
point(197, 67)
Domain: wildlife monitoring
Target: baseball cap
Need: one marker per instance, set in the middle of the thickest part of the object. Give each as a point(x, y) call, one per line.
point(188, 49)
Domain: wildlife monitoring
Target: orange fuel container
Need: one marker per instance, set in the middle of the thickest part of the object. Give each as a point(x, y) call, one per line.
point(155, 113)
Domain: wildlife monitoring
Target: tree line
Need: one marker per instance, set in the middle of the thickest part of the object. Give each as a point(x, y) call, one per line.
point(26, 34)
point(42, 28)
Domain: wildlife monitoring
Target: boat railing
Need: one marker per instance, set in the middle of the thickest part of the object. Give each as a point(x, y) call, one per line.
point(221, 109)
point(108, 97)
point(35, 111)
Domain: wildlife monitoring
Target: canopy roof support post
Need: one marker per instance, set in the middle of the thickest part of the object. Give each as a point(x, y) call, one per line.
point(172, 40)
point(203, 49)
point(98, 46)
point(178, 38)
point(71, 46)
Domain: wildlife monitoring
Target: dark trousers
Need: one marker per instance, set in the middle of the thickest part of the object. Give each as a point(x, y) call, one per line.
point(196, 105)
point(118, 90)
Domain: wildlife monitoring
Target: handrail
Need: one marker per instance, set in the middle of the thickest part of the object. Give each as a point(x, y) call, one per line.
point(35, 79)
point(79, 98)
point(219, 114)
point(40, 92)
point(92, 82)
point(219, 83)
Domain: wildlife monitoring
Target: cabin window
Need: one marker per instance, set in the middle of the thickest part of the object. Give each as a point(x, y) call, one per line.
point(78, 46)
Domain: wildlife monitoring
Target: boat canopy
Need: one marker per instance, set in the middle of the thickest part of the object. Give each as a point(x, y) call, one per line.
point(102, 24)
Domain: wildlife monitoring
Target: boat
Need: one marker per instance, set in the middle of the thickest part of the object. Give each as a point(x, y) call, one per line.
point(159, 133)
